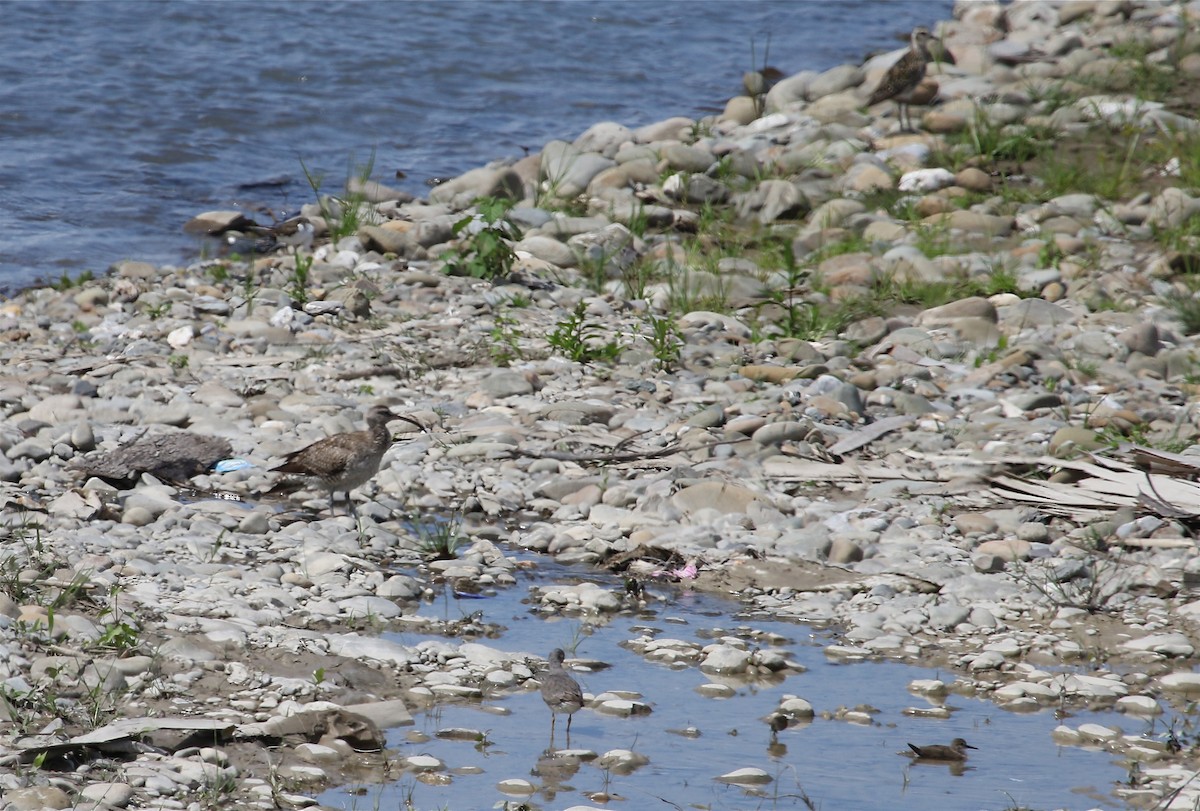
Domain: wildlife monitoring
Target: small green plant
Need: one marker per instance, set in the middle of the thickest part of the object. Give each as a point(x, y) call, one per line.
point(1049, 255)
point(1186, 308)
point(639, 221)
point(665, 341)
point(506, 336)
point(484, 251)
point(1137, 74)
point(119, 636)
point(933, 239)
point(218, 272)
point(1104, 166)
point(249, 292)
point(157, 311)
point(1184, 238)
point(1052, 95)
point(580, 340)
point(65, 282)
point(177, 361)
point(440, 538)
point(850, 243)
point(344, 215)
point(297, 283)
point(636, 276)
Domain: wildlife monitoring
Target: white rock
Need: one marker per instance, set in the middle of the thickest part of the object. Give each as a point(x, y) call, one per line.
point(796, 707)
point(725, 659)
point(622, 707)
point(1097, 732)
point(516, 785)
point(424, 763)
point(116, 795)
point(366, 606)
point(928, 687)
point(1065, 735)
point(747, 776)
point(1139, 705)
point(180, 337)
point(1172, 644)
point(712, 690)
point(926, 180)
point(317, 753)
point(1181, 682)
point(621, 761)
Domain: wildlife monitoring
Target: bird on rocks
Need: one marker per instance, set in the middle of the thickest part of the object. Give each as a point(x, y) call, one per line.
point(560, 692)
point(294, 233)
point(956, 751)
point(903, 78)
point(343, 462)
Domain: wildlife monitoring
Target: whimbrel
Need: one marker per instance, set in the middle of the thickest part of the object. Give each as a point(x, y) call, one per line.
point(560, 692)
point(903, 77)
point(343, 462)
point(956, 751)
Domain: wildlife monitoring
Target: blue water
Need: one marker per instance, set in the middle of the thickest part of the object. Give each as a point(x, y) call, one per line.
point(121, 120)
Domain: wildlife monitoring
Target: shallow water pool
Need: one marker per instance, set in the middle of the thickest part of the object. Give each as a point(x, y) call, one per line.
point(824, 764)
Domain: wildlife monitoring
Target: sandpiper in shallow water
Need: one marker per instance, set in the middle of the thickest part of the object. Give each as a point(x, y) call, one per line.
point(343, 462)
point(957, 750)
point(560, 692)
point(903, 77)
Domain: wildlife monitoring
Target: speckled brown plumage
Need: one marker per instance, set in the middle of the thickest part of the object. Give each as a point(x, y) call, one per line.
point(903, 77)
point(560, 692)
point(957, 750)
point(343, 462)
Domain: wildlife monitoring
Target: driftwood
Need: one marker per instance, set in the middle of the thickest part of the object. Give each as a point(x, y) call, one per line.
point(171, 457)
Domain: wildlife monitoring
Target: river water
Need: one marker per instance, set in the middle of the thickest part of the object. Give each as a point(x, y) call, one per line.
point(122, 119)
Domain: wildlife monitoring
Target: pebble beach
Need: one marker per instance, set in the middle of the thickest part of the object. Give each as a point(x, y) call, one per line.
point(930, 392)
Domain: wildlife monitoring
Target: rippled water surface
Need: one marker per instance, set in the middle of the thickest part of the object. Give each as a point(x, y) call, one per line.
point(121, 120)
point(836, 764)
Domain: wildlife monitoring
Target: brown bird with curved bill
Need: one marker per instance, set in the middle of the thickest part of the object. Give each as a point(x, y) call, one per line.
point(560, 692)
point(956, 751)
point(903, 78)
point(343, 462)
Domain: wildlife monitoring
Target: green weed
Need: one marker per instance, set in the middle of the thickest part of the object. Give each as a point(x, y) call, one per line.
point(66, 282)
point(441, 538)
point(506, 335)
point(1186, 308)
point(343, 215)
point(157, 311)
point(666, 342)
point(580, 340)
point(297, 283)
point(486, 253)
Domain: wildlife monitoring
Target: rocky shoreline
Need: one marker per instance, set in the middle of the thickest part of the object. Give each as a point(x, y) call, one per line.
point(932, 390)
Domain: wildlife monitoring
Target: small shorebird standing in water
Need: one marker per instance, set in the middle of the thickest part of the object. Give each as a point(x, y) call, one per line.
point(956, 751)
point(560, 692)
point(343, 462)
point(902, 78)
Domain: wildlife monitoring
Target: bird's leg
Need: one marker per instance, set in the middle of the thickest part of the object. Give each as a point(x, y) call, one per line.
point(569, 717)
